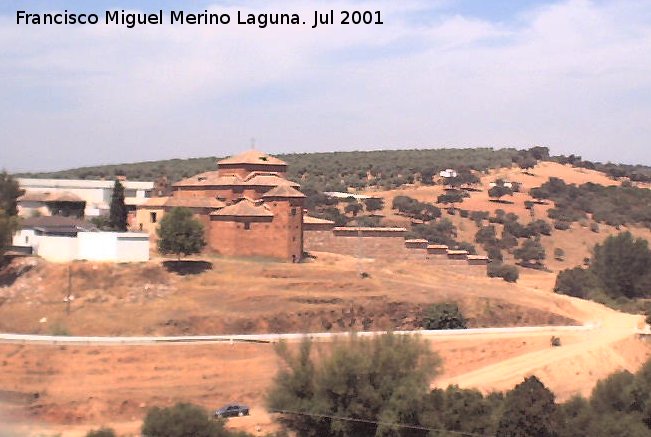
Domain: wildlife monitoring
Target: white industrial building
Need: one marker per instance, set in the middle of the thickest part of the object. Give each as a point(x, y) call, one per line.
point(65, 239)
point(41, 194)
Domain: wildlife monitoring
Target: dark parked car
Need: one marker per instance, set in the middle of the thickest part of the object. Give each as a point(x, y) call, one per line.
point(232, 410)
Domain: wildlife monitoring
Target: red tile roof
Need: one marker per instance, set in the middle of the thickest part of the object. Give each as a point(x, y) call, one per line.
point(252, 156)
point(244, 208)
point(283, 191)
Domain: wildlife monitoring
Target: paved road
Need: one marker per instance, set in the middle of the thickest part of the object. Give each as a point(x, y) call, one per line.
point(271, 338)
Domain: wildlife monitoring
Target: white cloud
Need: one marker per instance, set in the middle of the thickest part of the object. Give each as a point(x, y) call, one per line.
point(572, 75)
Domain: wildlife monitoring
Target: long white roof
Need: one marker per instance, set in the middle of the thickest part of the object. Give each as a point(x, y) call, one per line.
point(82, 183)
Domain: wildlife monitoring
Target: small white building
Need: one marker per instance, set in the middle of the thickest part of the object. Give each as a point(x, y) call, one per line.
point(65, 239)
point(96, 193)
point(448, 173)
point(342, 195)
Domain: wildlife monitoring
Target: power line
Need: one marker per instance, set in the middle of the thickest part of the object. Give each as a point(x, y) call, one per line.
point(375, 422)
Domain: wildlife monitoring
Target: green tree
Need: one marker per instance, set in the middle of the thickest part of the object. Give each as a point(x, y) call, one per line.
point(374, 204)
point(180, 233)
point(182, 420)
point(451, 197)
point(443, 316)
point(353, 208)
point(529, 411)
point(507, 272)
point(10, 191)
point(530, 253)
point(462, 411)
point(499, 191)
point(577, 282)
point(622, 264)
point(437, 232)
point(380, 379)
point(616, 393)
point(118, 211)
point(486, 235)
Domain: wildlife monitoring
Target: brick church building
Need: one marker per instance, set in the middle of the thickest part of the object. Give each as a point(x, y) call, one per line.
point(247, 207)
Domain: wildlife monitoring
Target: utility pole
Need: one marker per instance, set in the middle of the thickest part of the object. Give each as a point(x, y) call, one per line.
point(359, 252)
point(68, 297)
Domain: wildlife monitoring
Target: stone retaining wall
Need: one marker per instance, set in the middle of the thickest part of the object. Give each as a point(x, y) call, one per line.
point(389, 243)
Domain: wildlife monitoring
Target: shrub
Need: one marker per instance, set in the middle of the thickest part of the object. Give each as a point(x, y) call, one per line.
point(443, 316)
point(594, 227)
point(468, 247)
point(507, 241)
point(436, 232)
point(499, 191)
point(530, 253)
point(507, 272)
point(374, 204)
point(102, 432)
point(464, 213)
point(562, 225)
point(486, 234)
point(368, 222)
point(494, 253)
point(182, 420)
point(479, 216)
point(538, 227)
point(559, 254)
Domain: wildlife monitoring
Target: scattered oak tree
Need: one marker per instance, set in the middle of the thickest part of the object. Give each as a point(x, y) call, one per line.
point(374, 204)
point(531, 253)
point(499, 191)
point(179, 233)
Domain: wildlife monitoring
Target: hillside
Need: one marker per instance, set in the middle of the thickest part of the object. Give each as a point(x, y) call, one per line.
point(576, 242)
point(324, 295)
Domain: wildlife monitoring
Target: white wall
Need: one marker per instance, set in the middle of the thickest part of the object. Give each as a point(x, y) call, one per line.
point(133, 247)
point(90, 246)
point(56, 248)
point(24, 237)
point(97, 246)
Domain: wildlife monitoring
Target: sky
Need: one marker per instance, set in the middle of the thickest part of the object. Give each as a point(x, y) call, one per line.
point(573, 75)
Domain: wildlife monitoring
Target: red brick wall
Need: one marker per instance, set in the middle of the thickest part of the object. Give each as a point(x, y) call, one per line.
point(377, 245)
point(277, 237)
